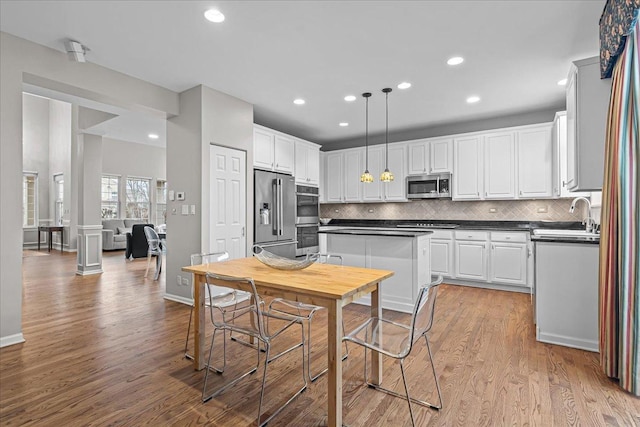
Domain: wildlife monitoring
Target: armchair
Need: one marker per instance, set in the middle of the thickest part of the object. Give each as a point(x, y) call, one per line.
point(137, 245)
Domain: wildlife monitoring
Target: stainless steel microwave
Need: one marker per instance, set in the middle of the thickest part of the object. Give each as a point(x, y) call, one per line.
point(429, 186)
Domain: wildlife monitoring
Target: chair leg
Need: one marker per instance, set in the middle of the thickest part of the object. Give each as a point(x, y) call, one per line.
point(146, 272)
point(435, 376)
point(312, 378)
point(406, 390)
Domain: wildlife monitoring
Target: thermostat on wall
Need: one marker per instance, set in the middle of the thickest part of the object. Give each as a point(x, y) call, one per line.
point(180, 195)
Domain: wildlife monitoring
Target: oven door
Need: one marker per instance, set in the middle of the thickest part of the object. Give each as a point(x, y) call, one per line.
point(307, 237)
point(307, 208)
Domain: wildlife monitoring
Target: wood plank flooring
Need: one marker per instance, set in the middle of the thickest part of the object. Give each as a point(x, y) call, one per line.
point(107, 350)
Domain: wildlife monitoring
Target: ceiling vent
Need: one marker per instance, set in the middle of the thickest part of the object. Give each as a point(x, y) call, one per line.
point(75, 50)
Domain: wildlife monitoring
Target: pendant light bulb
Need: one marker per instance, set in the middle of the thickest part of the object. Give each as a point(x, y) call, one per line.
point(386, 176)
point(366, 177)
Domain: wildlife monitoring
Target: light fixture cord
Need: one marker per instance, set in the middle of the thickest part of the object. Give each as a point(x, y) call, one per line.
point(387, 131)
point(366, 135)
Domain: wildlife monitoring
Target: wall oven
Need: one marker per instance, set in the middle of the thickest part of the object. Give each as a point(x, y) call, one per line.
point(307, 213)
point(429, 186)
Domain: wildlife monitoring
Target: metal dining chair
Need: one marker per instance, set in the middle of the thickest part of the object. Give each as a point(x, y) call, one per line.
point(155, 249)
point(218, 297)
point(396, 340)
point(249, 320)
point(304, 314)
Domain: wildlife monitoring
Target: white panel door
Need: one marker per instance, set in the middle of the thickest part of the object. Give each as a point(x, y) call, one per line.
point(441, 155)
point(262, 149)
point(442, 257)
point(228, 186)
point(334, 177)
point(535, 163)
point(353, 163)
point(418, 158)
point(471, 260)
point(284, 154)
point(509, 263)
point(467, 166)
point(396, 189)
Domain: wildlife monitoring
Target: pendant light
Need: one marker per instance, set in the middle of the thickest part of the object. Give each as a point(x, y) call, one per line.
point(366, 176)
point(386, 176)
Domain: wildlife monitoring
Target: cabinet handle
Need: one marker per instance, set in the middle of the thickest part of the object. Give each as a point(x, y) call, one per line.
point(521, 192)
point(478, 194)
point(493, 247)
point(564, 183)
point(486, 194)
point(508, 238)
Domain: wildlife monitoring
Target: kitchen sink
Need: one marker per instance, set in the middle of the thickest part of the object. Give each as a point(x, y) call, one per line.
point(564, 233)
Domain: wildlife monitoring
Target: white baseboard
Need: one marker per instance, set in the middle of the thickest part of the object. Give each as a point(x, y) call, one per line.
point(11, 340)
point(89, 272)
point(566, 341)
point(178, 298)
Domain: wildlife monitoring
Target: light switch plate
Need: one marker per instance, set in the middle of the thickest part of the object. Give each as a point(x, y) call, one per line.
point(193, 209)
point(185, 209)
point(171, 195)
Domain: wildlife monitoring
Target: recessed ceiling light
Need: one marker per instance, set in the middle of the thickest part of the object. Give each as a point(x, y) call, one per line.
point(562, 82)
point(344, 124)
point(404, 85)
point(350, 98)
point(153, 136)
point(456, 60)
point(214, 15)
point(298, 101)
point(473, 99)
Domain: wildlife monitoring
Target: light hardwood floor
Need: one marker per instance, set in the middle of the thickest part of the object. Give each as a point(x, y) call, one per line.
point(107, 350)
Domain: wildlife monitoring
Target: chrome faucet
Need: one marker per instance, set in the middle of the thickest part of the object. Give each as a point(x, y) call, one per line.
point(589, 222)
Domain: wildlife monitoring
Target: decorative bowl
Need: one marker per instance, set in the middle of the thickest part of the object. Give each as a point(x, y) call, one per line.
point(281, 263)
point(325, 221)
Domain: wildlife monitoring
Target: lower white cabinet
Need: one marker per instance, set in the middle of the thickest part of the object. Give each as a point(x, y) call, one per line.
point(509, 263)
point(407, 257)
point(471, 260)
point(442, 253)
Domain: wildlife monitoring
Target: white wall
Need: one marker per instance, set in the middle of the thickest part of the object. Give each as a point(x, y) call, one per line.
point(24, 62)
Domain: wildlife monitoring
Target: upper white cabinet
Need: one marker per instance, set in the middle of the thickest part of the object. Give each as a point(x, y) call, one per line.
point(587, 106)
point(343, 176)
point(559, 156)
point(441, 155)
point(272, 150)
point(323, 178)
point(307, 163)
point(468, 168)
point(427, 156)
point(535, 162)
point(499, 165)
point(386, 191)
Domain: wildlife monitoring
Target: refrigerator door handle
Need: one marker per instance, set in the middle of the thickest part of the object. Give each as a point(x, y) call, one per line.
point(280, 207)
point(274, 206)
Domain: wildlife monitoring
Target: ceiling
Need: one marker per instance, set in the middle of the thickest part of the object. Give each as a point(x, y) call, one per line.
point(270, 52)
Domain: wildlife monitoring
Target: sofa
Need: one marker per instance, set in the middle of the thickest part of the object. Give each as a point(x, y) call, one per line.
point(114, 232)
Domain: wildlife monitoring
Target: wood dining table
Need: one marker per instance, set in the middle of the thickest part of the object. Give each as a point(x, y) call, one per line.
point(326, 285)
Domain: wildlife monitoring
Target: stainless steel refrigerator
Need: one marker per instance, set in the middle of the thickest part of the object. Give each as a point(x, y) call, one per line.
point(275, 212)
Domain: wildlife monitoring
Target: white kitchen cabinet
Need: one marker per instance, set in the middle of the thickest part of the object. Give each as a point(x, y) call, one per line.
point(587, 108)
point(343, 176)
point(307, 163)
point(334, 192)
point(559, 155)
point(408, 257)
point(535, 162)
point(468, 168)
point(323, 177)
point(272, 150)
point(426, 156)
point(471, 255)
point(566, 289)
point(509, 258)
point(394, 191)
point(442, 253)
point(499, 165)
point(441, 155)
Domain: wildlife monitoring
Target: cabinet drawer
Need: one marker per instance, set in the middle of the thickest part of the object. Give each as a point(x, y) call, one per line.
point(502, 236)
point(471, 235)
point(441, 234)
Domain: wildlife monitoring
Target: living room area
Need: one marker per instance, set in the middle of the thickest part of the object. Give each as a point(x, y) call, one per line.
point(130, 189)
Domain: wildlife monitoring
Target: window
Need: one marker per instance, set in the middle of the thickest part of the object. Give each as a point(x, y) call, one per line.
point(161, 202)
point(58, 181)
point(138, 205)
point(29, 199)
point(109, 196)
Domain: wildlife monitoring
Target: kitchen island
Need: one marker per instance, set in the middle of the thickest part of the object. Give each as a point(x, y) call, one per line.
point(406, 252)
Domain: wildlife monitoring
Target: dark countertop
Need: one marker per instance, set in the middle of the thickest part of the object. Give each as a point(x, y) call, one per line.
point(380, 227)
point(374, 231)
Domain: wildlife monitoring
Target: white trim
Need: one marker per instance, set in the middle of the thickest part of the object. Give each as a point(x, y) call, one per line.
point(11, 340)
point(90, 227)
point(178, 298)
point(566, 341)
point(87, 238)
point(89, 272)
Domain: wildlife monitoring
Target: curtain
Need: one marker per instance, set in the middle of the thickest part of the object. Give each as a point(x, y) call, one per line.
point(620, 234)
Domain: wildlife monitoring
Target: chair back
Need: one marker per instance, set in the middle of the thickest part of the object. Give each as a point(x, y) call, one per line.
point(422, 316)
point(245, 324)
point(152, 240)
point(330, 259)
point(208, 258)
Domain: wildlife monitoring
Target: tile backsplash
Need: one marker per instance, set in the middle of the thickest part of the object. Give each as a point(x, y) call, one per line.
point(498, 210)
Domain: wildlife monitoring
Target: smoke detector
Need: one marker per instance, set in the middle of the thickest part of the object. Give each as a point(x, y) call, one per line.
point(75, 50)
